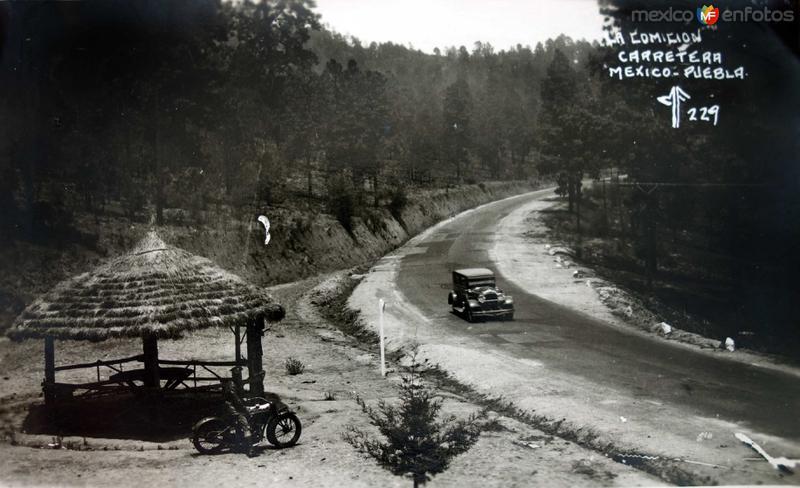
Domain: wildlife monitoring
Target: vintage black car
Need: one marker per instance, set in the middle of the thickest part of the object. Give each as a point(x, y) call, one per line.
point(476, 295)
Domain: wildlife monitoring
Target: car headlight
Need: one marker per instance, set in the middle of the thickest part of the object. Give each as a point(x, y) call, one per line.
point(480, 299)
point(509, 299)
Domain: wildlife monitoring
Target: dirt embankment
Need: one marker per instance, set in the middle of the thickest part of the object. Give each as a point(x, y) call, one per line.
point(305, 242)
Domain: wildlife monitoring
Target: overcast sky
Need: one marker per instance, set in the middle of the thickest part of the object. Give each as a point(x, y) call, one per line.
point(440, 23)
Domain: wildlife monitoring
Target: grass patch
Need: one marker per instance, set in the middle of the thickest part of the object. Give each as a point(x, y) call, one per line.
point(294, 366)
point(493, 425)
point(334, 309)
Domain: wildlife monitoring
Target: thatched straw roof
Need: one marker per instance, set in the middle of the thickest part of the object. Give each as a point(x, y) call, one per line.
point(155, 290)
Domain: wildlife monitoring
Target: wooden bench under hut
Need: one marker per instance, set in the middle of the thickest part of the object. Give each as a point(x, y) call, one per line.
point(154, 292)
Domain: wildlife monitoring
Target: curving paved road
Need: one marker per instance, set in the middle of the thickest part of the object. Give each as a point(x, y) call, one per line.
point(764, 400)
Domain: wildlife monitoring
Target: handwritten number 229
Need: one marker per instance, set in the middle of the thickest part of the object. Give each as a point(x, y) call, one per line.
point(705, 112)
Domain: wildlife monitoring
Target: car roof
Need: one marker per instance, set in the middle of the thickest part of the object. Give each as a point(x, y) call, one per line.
point(475, 272)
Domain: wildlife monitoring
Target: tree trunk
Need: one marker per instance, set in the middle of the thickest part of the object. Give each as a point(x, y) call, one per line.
point(49, 370)
point(623, 228)
point(376, 198)
point(570, 195)
point(157, 161)
point(578, 218)
point(650, 239)
point(29, 98)
point(309, 176)
point(605, 207)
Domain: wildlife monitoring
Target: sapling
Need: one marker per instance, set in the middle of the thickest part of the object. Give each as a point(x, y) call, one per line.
point(414, 441)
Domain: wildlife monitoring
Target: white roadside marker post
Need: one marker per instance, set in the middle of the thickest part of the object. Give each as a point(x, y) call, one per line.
point(381, 308)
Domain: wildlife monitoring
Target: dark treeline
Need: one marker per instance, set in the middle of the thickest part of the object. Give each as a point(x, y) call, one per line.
point(720, 238)
point(185, 104)
point(134, 107)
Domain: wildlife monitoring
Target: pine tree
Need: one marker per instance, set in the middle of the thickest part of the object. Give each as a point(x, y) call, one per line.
point(415, 443)
point(457, 114)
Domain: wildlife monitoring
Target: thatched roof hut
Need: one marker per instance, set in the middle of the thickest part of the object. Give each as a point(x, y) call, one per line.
point(155, 290)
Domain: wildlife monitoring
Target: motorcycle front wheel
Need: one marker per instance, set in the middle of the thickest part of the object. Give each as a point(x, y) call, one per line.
point(208, 435)
point(284, 430)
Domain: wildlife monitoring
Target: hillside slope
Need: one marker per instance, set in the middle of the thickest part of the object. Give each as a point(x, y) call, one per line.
point(304, 242)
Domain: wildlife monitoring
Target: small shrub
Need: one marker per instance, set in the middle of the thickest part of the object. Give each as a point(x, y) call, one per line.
point(294, 366)
point(493, 425)
point(375, 223)
point(415, 442)
point(585, 467)
point(297, 228)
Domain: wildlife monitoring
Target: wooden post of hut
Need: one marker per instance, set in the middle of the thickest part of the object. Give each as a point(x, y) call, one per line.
point(151, 373)
point(49, 370)
point(236, 372)
point(255, 367)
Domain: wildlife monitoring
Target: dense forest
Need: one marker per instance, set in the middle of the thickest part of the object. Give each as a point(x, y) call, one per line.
point(134, 107)
point(182, 104)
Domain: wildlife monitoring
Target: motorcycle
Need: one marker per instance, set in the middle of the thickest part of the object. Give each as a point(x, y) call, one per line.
point(278, 424)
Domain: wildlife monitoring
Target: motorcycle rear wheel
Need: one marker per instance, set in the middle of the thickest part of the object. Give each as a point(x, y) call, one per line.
point(284, 430)
point(208, 435)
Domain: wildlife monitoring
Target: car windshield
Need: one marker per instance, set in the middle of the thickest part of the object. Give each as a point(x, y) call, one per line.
point(481, 282)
